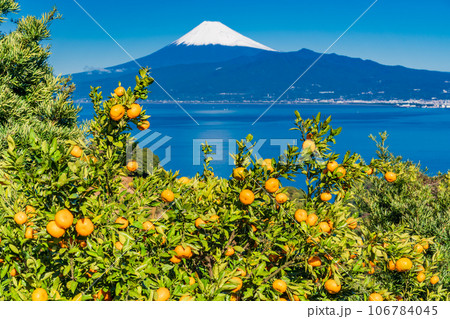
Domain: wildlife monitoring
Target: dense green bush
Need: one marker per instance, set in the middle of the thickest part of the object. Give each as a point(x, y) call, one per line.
point(30, 95)
point(416, 201)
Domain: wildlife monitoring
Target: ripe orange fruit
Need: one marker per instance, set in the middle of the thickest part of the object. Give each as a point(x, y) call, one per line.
point(229, 251)
point(199, 222)
point(123, 221)
point(119, 91)
point(184, 180)
point(20, 218)
point(117, 112)
point(282, 299)
point(144, 125)
point(420, 268)
point(29, 209)
point(420, 276)
point(403, 264)
point(309, 145)
point(325, 197)
point(234, 297)
point(167, 196)
point(246, 197)
point(239, 282)
point(29, 233)
point(183, 252)
point(369, 171)
point(313, 240)
point(118, 245)
point(391, 265)
point(330, 224)
point(325, 227)
point(134, 111)
point(300, 215)
point(54, 230)
point(281, 198)
point(332, 165)
point(371, 271)
point(132, 166)
point(425, 244)
point(39, 294)
point(243, 273)
point(106, 295)
point(83, 244)
point(76, 151)
point(279, 285)
point(13, 272)
point(186, 298)
point(191, 281)
point(175, 259)
point(418, 248)
point(340, 171)
point(434, 280)
point(148, 225)
point(311, 220)
point(314, 261)
point(375, 297)
point(390, 177)
point(84, 227)
point(239, 173)
point(352, 223)
point(64, 218)
point(267, 163)
point(332, 287)
point(253, 227)
point(272, 185)
point(214, 218)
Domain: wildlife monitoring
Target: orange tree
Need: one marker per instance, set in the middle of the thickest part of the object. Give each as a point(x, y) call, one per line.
point(72, 230)
point(415, 200)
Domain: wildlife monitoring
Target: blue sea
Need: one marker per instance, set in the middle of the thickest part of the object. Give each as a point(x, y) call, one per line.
point(421, 135)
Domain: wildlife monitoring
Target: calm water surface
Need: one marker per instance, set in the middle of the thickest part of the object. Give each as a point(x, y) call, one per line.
point(422, 135)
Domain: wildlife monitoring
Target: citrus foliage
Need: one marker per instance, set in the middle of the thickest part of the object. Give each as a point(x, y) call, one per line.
point(416, 201)
point(30, 95)
point(84, 235)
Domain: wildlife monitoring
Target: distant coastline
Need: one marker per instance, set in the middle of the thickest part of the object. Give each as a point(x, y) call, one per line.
point(413, 103)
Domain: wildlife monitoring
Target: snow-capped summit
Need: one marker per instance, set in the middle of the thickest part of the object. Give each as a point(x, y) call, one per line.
point(216, 33)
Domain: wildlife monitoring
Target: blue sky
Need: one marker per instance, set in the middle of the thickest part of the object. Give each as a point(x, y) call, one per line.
point(411, 33)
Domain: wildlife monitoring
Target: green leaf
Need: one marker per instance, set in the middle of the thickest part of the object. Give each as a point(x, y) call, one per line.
point(123, 236)
point(11, 143)
point(72, 285)
point(53, 146)
point(77, 297)
point(66, 270)
point(62, 179)
point(44, 147)
point(13, 249)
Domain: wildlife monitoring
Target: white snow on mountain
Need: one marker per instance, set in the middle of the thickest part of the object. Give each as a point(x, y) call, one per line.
point(214, 32)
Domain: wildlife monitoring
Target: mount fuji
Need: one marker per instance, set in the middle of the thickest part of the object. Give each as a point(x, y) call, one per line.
point(212, 62)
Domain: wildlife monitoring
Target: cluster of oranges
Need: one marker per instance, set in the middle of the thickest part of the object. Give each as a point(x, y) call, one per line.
point(133, 111)
point(272, 185)
point(117, 112)
point(57, 227)
point(405, 264)
point(181, 253)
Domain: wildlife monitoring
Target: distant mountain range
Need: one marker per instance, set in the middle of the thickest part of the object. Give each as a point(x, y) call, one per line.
point(215, 63)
